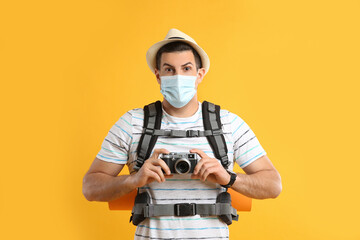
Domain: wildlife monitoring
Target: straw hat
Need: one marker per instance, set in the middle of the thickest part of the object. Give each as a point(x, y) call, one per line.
point(176, 35)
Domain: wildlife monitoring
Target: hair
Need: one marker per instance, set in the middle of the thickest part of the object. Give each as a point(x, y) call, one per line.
point(178, 46)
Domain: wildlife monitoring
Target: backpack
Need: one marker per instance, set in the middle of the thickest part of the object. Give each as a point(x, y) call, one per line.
point(214, 134)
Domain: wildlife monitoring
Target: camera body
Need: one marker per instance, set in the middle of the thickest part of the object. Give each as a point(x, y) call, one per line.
point(180, 162)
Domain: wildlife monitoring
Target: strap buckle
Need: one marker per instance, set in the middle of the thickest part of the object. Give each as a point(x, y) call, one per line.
point(185, 209)
point(193, 133)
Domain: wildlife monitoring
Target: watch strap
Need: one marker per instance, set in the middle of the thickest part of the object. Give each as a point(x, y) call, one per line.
point(232, 179)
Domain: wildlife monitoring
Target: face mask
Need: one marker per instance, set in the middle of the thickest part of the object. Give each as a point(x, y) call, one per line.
point(178, 90)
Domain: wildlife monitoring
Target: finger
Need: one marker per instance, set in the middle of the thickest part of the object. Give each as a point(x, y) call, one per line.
point(150, 169)
point(154, 176)
point(160, 163)
point(157, 170)
point(193, 176)
point(198, 166)
point(205, 166)
point(207, 173)
point(200, 152)
point(158, 151)
point(163, 165)
point(211, 178)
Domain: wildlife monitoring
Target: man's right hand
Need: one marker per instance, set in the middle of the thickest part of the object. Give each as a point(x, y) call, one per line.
point(151, 170)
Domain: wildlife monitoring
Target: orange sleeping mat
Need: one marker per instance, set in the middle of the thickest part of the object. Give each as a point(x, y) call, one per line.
point(126, 202)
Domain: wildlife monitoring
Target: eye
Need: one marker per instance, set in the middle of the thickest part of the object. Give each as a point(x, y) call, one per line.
point(168, 69)
point(187, 68)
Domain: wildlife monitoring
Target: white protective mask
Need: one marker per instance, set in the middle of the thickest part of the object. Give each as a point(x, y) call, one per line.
point(178, 90)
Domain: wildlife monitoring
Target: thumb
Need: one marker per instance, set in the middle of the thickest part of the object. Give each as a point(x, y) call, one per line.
point(200, 152)
point(158, 151)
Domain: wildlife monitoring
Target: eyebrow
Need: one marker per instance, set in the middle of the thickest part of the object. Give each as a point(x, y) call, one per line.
point(181, 65)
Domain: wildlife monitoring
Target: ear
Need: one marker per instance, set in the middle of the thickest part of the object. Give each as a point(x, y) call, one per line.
point(200, 76)
point(157, 75)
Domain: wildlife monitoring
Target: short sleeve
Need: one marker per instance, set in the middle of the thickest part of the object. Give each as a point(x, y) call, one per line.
point(247, 147)
point(116, 145)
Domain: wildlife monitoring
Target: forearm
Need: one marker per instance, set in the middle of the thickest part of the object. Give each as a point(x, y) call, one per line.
point(104, 188)
point(260, 185)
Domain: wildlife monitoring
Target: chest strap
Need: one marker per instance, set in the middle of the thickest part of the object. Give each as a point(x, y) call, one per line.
point(182, 133)
point(185, 209)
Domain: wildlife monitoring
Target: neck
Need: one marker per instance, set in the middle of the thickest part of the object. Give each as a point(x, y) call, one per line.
point(186, 111)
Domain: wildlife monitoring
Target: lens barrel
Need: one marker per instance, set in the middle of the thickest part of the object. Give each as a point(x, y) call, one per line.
point(182, 166)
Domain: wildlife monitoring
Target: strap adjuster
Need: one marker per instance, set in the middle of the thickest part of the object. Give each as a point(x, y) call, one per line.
point(149, 131)
point(185, 209)
point(211, 107)
point(217, 132)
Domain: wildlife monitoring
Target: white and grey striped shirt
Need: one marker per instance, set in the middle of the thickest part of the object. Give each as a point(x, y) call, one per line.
point(120, 145)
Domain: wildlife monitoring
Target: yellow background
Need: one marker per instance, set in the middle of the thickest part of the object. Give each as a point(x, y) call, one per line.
point(70, 69)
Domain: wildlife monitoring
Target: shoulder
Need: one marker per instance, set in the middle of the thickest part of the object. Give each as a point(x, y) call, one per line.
point(234, 123)
point(135, 112)
point(225, 114)
point(229, 117)
point(127, 119)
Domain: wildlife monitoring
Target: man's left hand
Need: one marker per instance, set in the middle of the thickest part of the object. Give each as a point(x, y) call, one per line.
point(209, 169)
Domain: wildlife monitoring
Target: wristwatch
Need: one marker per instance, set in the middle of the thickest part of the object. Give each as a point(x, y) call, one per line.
point(232, 179)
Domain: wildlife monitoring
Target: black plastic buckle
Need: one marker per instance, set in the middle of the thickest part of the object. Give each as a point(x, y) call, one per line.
point(185, 209)
point(225, 161)
point(193, 133)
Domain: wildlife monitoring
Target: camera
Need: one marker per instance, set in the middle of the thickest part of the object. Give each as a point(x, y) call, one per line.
point(180, 162)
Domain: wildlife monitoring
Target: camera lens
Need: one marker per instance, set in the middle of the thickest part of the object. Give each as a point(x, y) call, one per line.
point(182, 166)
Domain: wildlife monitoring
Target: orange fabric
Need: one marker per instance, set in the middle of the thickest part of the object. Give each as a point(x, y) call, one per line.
point(126, 202)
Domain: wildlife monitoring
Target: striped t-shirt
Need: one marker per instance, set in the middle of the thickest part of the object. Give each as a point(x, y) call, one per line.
point(120, 145)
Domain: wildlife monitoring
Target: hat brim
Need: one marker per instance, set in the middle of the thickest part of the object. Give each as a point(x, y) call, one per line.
point(151, 53)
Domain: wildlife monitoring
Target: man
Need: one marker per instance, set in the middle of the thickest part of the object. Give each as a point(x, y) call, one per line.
point(180, 65)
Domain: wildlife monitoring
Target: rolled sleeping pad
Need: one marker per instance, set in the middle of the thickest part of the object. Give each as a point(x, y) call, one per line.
point(126, 202)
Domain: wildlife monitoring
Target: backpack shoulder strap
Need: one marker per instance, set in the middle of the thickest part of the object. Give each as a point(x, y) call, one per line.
point(152, 121)
point(211, 119)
